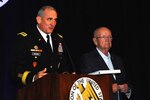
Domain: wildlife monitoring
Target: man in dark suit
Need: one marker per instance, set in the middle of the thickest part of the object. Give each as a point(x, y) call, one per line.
point(40, 51)
point(101, 59)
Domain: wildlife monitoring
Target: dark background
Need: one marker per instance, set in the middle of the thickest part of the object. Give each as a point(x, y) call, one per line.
point(128, 20)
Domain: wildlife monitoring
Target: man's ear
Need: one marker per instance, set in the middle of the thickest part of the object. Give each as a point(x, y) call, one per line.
point(38, 19)
point(94, 40)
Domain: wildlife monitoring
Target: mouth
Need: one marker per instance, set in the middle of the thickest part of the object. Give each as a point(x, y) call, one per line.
point(51, 28)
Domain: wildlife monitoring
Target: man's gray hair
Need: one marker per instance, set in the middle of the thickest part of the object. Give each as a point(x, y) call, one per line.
point(40, 12)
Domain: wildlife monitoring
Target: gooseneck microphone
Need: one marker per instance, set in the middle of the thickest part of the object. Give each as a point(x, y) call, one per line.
point(66, 48)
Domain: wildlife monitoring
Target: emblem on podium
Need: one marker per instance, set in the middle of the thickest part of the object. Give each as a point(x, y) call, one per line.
point(85, 89)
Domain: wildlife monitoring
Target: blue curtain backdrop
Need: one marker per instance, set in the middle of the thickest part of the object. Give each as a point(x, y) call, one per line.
point(128, 19)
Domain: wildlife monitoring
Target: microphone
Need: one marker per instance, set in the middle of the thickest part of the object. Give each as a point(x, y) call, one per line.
point(66, 48)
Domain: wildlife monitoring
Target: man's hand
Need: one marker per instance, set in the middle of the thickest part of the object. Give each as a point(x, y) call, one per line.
point(40, 74)
point(115, 87)
point(123, 88)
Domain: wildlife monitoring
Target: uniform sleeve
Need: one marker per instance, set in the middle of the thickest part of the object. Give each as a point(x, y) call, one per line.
point(19, 71)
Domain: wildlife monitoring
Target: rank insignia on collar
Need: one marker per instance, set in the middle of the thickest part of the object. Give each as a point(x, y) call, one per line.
point(23, 34)
point(60, 35)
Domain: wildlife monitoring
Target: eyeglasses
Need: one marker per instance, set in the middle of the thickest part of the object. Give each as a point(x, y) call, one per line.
point(104, 37)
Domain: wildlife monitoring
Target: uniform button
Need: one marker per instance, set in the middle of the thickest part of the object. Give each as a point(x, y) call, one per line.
point(51, 66)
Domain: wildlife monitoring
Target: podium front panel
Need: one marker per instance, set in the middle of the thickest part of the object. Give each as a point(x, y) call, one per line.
point(58, 86)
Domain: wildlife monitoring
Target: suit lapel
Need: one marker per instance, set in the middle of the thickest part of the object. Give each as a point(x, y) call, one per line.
point(40, 41)
point(100, 61)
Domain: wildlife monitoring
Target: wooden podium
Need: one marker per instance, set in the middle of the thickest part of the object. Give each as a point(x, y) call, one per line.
point(58, 86)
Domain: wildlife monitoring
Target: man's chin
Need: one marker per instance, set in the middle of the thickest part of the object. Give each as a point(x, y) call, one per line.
point(49, 31)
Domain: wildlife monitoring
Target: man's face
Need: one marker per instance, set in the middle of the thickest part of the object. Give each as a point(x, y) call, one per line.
point(48, 21)
point(103, 39)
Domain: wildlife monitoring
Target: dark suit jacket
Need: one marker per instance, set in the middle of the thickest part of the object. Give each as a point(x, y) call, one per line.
point(92, 61)
point(32, 53)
